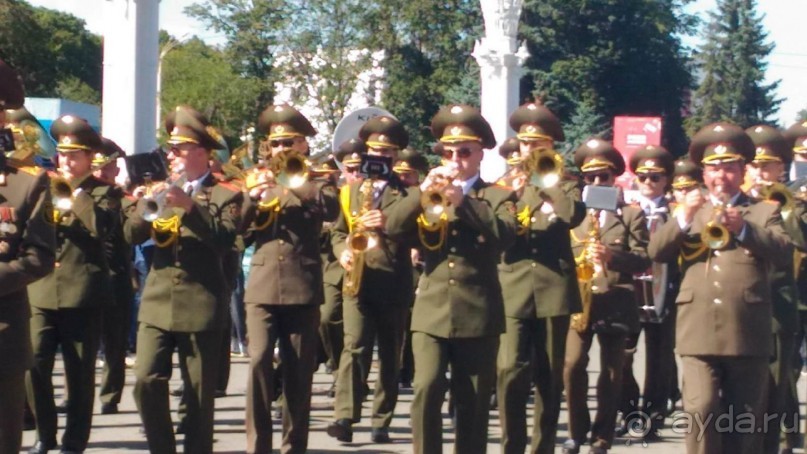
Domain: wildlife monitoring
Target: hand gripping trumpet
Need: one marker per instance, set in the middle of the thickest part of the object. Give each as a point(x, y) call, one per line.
point(436, 206)
point(155, 199)
point(715, 235)
point(290, 170)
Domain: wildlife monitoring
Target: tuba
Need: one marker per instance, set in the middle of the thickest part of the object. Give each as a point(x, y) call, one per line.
point(587, 270)
point(544, 167)
point(359, 241)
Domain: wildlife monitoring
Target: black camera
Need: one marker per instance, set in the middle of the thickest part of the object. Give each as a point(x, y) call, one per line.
point(375, 167)
point(7, 140)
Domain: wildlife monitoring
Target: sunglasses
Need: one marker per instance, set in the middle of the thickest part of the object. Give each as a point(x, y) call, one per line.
point(282, 143)
point(351, 169)
point(655, 178)
point(461, 152)
point(604, 177)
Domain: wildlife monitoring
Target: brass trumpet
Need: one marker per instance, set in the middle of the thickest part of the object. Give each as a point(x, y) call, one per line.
point(544, 167)
point(434, 202)
point(290, 170)
point(778, 192)
point(715, 234)
point(61, 194)
point(155, 201)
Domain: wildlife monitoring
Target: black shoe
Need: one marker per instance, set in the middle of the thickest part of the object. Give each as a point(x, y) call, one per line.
point(109, 409)
point(332, 391)
point(70, 451)
point(180, 428)
point(597, 450)
point(219, 393)
point(341, 429)
point(654, 435)
point(41, 448)
point(62, 408)
point(571, 447)
point(177, 392)
point(380, 435)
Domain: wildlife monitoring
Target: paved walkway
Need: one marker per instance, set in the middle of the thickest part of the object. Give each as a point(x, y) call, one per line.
point(120, 433)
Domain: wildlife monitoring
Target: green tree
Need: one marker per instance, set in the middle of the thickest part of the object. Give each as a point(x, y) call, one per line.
point(617, 57)
point(201, 76)
point(428, 46)
point(53, 52)
point(732, 62)
point(253, 33)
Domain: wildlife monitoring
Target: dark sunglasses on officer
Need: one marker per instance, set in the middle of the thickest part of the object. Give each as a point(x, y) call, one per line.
point(600, 177)
point(462, 153)
point(654, 177)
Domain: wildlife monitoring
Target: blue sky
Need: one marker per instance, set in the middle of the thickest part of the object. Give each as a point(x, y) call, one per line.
point(783, 20)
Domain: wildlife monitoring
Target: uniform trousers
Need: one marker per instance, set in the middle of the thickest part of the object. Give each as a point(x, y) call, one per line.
point(12, 403)
point(472, 362)
point(198, 362)
point(779, 387)
point(331, 326)
point(115, 339)
point(609, 383)
point(532, 348)
point(728, 396)
point(367, 320)
point(660, 374)
point(77, 331)
point(294, 328)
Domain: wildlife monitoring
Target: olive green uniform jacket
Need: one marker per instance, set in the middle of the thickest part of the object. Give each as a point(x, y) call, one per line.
point(459, 295)
point(185, 290)
point(537, 272)
point(26, 254)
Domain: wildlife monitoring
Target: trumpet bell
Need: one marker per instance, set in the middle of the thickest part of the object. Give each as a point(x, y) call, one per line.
point(715, 235)
point(151, 211)
point(293, 171)
point(545, 167)
point(434, 204)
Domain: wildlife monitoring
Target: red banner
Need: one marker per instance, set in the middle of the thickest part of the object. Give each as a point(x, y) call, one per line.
point(632, 133)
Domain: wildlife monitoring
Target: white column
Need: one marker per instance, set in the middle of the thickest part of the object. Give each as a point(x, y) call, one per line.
point(500, 60)
point(130, 73)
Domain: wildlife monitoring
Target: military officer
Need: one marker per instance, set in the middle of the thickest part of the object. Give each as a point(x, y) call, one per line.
point(331, 330)
point(458, 313)
point(284, 289)
point(117, 315)
point(410, 168)
point(27, 244)
point(773, 153)
point(656, 289)
point(796, 136)
point(539, 286)
point(613, 243)
point(377, 308)
point(67, 304)
point(183, 305)
point(723, 329)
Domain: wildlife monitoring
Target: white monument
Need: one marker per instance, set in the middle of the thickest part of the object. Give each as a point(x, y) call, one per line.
point(500, 60)
point(131, 39)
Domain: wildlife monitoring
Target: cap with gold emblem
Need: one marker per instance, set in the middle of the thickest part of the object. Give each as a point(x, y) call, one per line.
point(652, 159)
point(324, 165)
point(349, 153)
point(187, 125)
point(797, 137)
point(74, 134)
point(719, 143)
point(30, 137)
point(410, 160)
point(461, 123)
point(533, 121)
point(686, 174)
point(510, 151)
point(12, 95)
point(384, 132)
point(770, 144)
point(108, 152)
point(282, 121)
point(597, 154)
